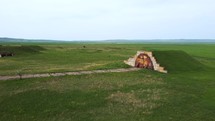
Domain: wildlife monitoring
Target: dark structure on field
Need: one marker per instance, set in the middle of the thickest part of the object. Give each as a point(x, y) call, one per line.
point(4, 54)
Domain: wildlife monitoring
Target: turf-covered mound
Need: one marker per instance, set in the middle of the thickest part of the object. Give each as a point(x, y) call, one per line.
point(178, 61)
point(20, 50)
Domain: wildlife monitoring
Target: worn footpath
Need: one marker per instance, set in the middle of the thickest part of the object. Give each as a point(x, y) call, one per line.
point(25, 76)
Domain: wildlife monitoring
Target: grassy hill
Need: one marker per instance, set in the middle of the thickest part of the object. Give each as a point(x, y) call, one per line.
point(178, 61)
point(21, 50)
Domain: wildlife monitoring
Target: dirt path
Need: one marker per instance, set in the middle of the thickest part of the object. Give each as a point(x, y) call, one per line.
point(25, 76)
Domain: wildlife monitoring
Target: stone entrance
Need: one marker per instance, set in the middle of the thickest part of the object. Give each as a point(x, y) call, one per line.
point(145, 59)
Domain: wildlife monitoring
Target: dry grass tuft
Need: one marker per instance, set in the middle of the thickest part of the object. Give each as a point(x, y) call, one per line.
point(125, 98)
point(131, 101)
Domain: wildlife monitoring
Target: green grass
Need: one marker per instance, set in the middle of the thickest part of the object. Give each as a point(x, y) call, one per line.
point(186, 93)
point(72, 57)
point(178, 61)
point(111, 96)
point(61, 58)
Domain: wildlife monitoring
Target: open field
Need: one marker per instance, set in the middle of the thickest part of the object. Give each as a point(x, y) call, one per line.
point(72, 57)
point(186, 93)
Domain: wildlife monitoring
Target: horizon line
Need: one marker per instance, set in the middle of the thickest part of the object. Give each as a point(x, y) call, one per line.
point(166, 39)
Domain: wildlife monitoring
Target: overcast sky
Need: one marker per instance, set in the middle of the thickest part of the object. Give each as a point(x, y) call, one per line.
point(107, 19)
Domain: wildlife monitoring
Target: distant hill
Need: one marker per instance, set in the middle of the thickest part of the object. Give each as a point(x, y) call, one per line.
point(164, 41)
point(6, 39)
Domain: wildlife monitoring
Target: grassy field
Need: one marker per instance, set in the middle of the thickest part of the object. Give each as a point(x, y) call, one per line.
point(72, 57)
point(186, 93)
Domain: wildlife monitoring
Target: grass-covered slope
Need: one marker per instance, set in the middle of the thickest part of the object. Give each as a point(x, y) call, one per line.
point(178, 61)
point(21, 50)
